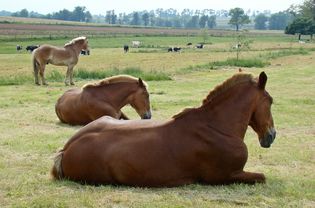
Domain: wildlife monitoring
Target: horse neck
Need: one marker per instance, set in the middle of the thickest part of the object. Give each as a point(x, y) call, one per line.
point(75, 48)
point(120, 93)
point(229, 113)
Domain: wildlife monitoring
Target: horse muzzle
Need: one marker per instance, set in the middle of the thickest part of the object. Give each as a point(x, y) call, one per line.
point(268, 139)
point(147, 115)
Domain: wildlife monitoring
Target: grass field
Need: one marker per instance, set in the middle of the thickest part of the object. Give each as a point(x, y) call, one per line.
point(31, 133)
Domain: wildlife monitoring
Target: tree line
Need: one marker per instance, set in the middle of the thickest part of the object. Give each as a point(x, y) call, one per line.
point(299, 19)
point(187, 18)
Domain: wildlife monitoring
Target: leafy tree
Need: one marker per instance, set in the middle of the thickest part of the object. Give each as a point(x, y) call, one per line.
point(279, 21)
point(88, 16)
point(135, 19)
point(145, 18)
point(301, 26)
point(78, 14)
point(238, 17)
point(260, 22)
point(307, 9)
point(203, 21)
point(193, 22)
point(242, 43)
point(22, 13)
point(212, 21)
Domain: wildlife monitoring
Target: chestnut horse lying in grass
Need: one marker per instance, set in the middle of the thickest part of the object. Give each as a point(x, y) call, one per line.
point(199, 145)
point(106, 97)
point(66, 56)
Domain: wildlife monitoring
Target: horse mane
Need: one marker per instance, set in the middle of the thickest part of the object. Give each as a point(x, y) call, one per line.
point(75, 40)
point(114, 79)
point(219, 89)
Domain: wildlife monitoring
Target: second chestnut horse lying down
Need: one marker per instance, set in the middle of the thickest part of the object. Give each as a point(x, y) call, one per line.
point(199, 145)
point(106, 97)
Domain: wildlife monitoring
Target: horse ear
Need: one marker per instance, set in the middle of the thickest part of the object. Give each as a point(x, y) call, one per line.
point(141, 82)
point(262, 80)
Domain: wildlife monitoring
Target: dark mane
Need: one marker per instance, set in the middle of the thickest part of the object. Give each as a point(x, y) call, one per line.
point(113, 79)
point(219, 89)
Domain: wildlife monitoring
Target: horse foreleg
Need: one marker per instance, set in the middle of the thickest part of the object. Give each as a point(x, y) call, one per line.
point(42, 74)
point(69, 76)
point(248, 177)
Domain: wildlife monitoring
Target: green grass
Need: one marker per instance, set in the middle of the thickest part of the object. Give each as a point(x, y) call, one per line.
point(31, 133)
point(82, 74)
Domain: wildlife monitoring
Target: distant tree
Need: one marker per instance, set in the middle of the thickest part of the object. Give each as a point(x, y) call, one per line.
point(212, 21)
point(78, 14)
point(193, 22)
point(22, 13)
point(301, 26)
point(279, 21)
point(135, 19)
point(203, 21)
point(108, 17)
point(307, 9)
point(88, 16)
point(145, 18)
point(238, 17)
point(260, 22)
point(62, 15)
point(204, 35)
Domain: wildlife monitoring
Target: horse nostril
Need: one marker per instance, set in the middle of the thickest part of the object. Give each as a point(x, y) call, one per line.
point(147, 115)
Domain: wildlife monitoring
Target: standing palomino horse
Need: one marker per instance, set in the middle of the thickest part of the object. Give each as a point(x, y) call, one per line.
point(204, 144)
point(106, 97)
point(66, 56)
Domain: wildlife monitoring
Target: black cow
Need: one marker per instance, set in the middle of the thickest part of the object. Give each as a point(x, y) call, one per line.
point(199, 45)
point(87, 52)
point(31, 48)
point(176, 49)
point(189, 44)
point(170, 50)
point(18, 47)
point(126, 48)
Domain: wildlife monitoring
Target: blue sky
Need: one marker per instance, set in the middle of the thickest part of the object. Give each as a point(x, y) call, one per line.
point(100, 7)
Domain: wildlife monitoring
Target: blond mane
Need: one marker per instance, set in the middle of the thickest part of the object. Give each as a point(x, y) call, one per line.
point(75, 40)
point(219, 89)
point(114, 79)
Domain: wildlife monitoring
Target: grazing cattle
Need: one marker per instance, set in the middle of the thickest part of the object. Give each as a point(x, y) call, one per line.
point(237, 46)
point(85, 52)
point(177, 49)
point(199, 145)
point(136, 43)
point(174, 49)
point(66, 56)
point(18, 47)
point(126, 48)
point(31, 48)
point(189, 44)
point(199, 46)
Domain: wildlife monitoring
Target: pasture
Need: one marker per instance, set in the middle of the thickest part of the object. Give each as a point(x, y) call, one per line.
point(31, 134)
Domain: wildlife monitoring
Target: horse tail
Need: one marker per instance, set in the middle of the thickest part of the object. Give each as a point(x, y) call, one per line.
point(35, 64)
point(35, 68)
point(56, 170)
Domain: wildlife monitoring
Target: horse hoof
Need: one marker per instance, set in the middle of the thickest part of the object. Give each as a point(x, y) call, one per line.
point(72, 83)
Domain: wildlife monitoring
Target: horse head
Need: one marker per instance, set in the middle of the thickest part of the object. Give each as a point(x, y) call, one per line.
point(261, 120)
point(140, 100)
